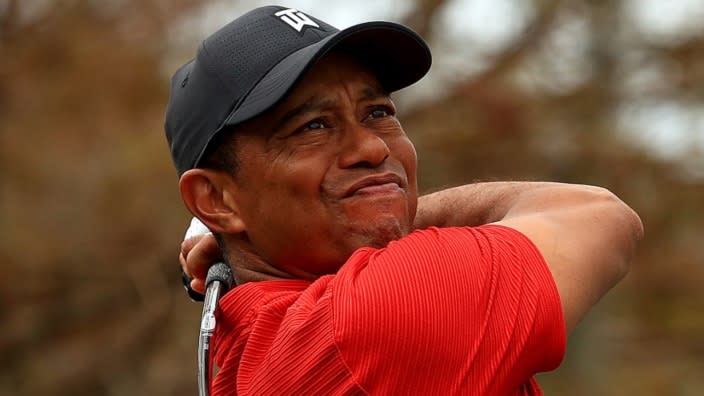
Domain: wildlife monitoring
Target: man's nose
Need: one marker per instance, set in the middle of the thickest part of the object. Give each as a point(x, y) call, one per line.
point(362, 147)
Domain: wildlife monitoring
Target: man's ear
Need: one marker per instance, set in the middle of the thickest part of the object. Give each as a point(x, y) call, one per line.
point(208, 194)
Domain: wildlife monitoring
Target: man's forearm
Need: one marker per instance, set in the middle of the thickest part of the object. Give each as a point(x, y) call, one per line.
point(586, 234)
point(474, 204)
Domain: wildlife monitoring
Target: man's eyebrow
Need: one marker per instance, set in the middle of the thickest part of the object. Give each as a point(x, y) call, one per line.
point(371, 93)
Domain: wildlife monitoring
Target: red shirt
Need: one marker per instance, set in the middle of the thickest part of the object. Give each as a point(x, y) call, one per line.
point(468, 311)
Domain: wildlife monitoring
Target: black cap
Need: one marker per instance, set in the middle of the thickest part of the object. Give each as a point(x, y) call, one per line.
point(252, 63)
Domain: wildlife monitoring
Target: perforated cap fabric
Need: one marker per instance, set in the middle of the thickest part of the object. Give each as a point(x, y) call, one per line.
point(251, 64)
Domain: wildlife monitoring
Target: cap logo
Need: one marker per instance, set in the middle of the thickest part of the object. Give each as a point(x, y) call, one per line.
point(296, 19)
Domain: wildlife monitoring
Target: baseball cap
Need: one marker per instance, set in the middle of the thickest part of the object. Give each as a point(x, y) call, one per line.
point(252, 63)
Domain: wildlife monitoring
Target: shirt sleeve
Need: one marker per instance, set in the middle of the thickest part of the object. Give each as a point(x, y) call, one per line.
point(451, 309)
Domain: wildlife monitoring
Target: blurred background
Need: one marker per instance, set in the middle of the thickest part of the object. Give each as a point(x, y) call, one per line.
point(598, 92)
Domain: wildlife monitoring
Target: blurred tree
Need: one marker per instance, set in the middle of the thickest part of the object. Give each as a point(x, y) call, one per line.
point(89, 206)
point(90, 216)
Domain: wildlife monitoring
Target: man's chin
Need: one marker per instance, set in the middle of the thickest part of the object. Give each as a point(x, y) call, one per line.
point(376, 222)
point(379, 232)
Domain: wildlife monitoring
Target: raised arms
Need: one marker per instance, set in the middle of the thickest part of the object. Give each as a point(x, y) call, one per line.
point(586, 234)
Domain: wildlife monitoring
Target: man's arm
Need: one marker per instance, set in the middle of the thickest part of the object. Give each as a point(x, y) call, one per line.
point(586, 234)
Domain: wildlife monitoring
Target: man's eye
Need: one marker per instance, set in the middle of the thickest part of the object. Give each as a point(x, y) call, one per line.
point(380, 112)
point(310, 126)
point(315, 124)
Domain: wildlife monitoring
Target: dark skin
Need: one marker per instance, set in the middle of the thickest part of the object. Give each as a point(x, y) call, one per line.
point(327, 171)
point(330, 170)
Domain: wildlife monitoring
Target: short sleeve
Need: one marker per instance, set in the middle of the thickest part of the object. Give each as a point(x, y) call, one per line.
point(448, 309)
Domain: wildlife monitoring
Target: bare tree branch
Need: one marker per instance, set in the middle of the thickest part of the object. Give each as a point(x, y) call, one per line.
point(515, 53)
point(421, 18)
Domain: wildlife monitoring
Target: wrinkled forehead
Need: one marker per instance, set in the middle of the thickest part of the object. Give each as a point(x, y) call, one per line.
point(337, 70)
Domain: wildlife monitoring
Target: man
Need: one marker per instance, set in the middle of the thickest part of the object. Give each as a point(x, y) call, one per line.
point(290, 152)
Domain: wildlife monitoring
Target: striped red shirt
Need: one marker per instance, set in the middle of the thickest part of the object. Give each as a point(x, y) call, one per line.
point(442, 311)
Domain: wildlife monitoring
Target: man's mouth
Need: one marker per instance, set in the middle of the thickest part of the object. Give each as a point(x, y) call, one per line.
point(387, 183)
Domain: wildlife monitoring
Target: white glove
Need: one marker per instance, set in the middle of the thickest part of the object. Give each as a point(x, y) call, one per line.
point(196, 228)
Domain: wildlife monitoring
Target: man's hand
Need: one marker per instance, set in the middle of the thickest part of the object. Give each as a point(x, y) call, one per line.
point(197, 254)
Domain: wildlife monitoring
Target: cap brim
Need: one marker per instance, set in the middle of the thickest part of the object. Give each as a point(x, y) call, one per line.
point(396, 54)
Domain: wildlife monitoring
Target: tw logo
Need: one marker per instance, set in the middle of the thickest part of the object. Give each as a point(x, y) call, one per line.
point(296, 19)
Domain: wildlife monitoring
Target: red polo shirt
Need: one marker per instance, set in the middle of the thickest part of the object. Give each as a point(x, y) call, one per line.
point(467, 311)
